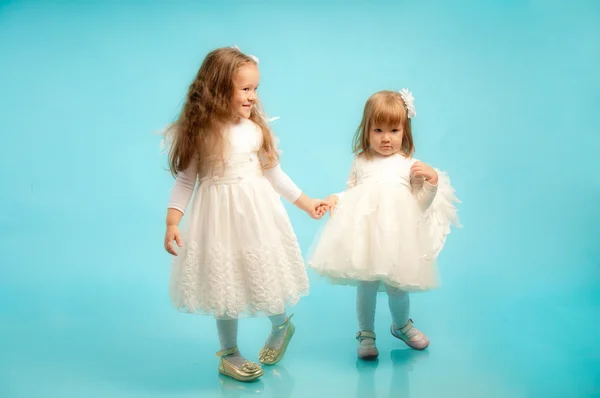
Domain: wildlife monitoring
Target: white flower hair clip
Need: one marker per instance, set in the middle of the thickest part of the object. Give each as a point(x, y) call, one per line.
point(409, 101)
point(255, 59)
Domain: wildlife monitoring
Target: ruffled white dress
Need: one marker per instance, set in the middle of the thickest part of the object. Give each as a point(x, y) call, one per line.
point(386, 227)
point(240, 256)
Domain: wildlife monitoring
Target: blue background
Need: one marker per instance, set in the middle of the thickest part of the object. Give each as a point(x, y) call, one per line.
point(507, 96)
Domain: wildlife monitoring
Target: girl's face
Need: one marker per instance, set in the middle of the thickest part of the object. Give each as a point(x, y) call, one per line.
point(386, 140)
point(245, 84)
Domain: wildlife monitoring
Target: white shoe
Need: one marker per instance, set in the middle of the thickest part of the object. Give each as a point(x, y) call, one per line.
point(412, 336)
point(366, 352)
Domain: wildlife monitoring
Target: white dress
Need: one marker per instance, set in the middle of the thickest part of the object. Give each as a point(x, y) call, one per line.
point(386, 227)
point(240, 256)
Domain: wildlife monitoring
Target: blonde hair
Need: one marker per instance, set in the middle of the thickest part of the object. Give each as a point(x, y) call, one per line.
point(198, 131)
point(385, 108)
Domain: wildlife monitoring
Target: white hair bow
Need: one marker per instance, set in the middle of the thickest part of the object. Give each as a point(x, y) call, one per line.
point(409, 100)
point(255, 59)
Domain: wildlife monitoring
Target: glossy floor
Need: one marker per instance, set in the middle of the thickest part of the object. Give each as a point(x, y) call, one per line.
point(506, 96)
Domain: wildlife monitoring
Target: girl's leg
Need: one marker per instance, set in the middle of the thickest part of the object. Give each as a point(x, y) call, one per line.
point(402, 327)
point(278, 330)
point(282, 331)
point(399, 303)
point(366, 302)
point(232, 363)
point(228, 330)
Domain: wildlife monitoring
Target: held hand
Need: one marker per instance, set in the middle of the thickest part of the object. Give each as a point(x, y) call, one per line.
point(423, 170)
point(332, 201)
point(312, 207)
point(329, 205)
point(171, 235)
point(321, 210)
point(317, 209)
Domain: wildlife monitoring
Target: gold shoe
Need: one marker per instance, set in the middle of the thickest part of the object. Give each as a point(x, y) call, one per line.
point(248, 372)
point(270, 356)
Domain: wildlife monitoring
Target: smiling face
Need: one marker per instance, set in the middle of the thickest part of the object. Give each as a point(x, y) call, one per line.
point(245, 85)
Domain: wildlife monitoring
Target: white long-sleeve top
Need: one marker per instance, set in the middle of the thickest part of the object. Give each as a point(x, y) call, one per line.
point(243, 138)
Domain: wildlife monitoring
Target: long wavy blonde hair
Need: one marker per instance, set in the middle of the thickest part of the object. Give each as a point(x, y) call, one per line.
point(198, 133)
point(384, 108)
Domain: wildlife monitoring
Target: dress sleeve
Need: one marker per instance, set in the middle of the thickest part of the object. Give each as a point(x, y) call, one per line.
point(425, 193)
point(282, 183)
point(184, 187)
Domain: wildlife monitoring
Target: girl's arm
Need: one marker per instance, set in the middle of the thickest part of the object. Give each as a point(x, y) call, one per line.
point(425, 194)
point(180, 198)
point(424, 184)
point(285, 187)
point(183, 189)
point(282, 183)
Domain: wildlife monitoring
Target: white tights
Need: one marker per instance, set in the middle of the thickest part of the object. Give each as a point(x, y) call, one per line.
point(366, 301)
point(228, 331)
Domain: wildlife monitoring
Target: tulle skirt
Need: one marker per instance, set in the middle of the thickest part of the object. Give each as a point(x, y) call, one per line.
point(240, 256)
point(377, 232)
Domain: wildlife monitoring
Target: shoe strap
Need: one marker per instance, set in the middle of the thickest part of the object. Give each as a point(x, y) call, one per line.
point(365, 334)
point(404, 329)
point(228, 351)
point(284, 324)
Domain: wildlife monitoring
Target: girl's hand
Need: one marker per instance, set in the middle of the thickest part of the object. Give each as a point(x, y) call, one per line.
point(312, 207)
point(424, 171)
point(328, 205)
point(332, 201)
point(171, 235)
point(316, 208)
point(321, 210)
